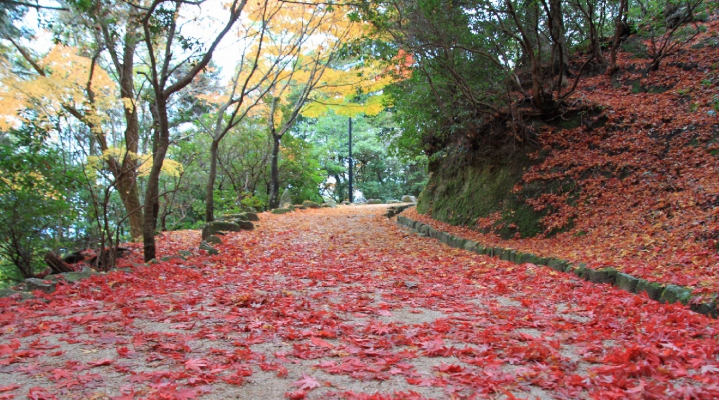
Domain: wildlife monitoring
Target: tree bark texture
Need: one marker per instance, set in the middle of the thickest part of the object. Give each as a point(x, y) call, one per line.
point(275, 172)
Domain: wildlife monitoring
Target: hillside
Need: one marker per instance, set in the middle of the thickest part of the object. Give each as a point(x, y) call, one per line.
point(632, 182)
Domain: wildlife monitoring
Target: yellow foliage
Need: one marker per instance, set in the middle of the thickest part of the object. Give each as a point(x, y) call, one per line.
point(64, 83)
point(38, 181)
point(322, 30)
point(144, 161)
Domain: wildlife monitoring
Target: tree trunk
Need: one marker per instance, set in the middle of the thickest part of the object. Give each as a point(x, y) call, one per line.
point(275, 172)
point(127, 188)
point(127, 177)
point(153, 180)
point(559, 45)
point(539, 98)
point(209, 193)
point(619, 27)
point(56, 264)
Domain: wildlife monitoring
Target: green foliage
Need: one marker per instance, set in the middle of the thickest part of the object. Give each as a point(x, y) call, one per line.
point(378, 172)
point(299, 171)
point(35, 189)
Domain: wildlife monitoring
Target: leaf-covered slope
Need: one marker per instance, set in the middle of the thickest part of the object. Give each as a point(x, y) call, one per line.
point(636, 187)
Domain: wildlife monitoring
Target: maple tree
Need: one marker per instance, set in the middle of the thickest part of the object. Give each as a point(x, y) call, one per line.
point(291, 87)
point(66, 82)
point(163, 17)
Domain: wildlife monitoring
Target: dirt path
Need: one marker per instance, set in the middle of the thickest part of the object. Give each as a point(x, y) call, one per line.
point(343, 303)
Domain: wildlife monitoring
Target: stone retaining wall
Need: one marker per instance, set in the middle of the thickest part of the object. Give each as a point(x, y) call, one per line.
point(665, 293)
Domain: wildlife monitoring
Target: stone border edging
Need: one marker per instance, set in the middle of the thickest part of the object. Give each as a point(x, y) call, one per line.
point(656, 291)
point(398, 208)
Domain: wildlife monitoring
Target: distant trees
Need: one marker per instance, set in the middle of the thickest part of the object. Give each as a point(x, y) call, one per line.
point(131, 93)
point(378, 172)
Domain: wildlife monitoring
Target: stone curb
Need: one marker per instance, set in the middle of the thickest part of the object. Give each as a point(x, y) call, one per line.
point(664, 293)
point(396, 209)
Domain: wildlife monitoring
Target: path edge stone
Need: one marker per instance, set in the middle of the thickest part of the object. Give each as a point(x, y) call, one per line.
point(664, 293)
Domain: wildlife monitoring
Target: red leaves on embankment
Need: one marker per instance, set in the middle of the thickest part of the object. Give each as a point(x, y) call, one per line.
point(643, 175)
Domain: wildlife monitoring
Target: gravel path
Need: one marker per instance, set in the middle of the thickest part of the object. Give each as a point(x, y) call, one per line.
point(343, 303)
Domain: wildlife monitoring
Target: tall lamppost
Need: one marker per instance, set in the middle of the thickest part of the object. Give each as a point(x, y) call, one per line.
point(350, 145)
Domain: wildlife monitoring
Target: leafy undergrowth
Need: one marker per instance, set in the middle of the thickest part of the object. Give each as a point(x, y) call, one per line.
point(342, 303)
point(646, 171)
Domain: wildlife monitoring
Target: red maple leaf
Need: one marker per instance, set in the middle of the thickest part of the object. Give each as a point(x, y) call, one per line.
point(8, 388)
point(196, 364)
point(58, 374)
point(104, 361)
point(319, 342)
point(307, 383)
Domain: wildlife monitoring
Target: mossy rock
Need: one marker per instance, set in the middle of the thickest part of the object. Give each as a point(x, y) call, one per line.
point(458, 242)
point(310, 204)
point(558, 265)
point(504, 254)
point(626, 282)
point(706, 307)
point(676, 294)
point(209, 249)
point(246, 225)
point(46, 286)
point(479, 249)
point(652, 289)
point(74, 277)
point(214, 227)
point(524, 258)
point(6, 292)
point(577, 270)
point(252, 216)
point(451, 193)
point(374, 201)
point(470, 245)
point(175, 257)
point(528, 258)
point(230, 217)
point(604, 275)
point(281, 211)
point(543, 260)
point(444, 237)
point(212, 239)
point(184, 254)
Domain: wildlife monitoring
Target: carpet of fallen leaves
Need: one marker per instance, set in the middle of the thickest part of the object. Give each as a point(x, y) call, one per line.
point(645, 172)
point(344, 303)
